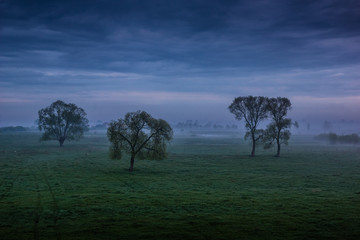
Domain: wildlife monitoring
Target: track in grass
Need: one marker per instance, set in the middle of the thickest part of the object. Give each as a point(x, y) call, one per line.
point(38, 209)
point(8, 186)
point(39, 205)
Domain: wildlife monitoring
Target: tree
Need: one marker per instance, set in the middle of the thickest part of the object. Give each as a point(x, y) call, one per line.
point(278, 129)
point(62, 121)
point(139, 135)
point(253, 110)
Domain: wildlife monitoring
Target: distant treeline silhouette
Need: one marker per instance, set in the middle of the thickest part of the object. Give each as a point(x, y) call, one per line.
point(334, 138)
point(13, 129)
point(195, 124)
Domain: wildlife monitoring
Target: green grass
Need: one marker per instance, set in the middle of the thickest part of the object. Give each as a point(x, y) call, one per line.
point(208, 188)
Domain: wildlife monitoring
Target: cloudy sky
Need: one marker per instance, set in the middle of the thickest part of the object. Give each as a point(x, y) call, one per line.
point(179, 59)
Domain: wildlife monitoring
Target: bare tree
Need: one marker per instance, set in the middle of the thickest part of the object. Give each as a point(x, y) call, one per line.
point(139, 135)
point(253, 110)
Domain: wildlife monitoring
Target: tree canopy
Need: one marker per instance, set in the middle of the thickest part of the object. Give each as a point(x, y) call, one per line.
point(140, 136)
point(62, 121)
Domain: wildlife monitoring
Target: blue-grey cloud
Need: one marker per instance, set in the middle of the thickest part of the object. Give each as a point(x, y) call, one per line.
point(72, 49)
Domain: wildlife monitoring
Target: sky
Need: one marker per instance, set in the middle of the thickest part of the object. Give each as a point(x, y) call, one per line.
point(179, 59)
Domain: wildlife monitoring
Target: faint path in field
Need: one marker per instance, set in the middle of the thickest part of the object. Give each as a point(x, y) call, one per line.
point(38, 209)
point(80, 198)
point(9, 186)
point(55, 207)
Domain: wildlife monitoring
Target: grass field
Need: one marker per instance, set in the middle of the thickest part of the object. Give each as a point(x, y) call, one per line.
point(208, 188)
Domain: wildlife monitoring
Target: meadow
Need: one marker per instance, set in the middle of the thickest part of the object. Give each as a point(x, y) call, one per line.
point(207, 188)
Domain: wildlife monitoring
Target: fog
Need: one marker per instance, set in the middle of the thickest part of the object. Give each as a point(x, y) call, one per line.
point(312, 118)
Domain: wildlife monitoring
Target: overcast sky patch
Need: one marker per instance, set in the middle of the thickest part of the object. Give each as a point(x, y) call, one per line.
point(169, 54)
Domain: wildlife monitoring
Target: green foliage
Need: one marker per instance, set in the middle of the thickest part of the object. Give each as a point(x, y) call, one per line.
point(115, 151)
point(268, 139)
point(61, 121)
point(139, 135)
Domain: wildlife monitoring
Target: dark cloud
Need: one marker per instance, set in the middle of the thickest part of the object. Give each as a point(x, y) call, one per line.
point(291, 48)
point(202, 33)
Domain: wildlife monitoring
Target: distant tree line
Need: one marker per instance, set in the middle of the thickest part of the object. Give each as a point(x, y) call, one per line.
point(342, 139)
point(100, 126)
point(190, 124)
point(255, 109)
point(13, 129)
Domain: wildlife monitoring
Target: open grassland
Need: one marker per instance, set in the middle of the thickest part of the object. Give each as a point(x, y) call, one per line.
point(208, 188)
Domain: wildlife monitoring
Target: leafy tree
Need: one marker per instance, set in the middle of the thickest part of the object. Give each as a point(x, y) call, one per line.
point(253, 110)
point(62, 121)
point(139, 135)
point(278, 130)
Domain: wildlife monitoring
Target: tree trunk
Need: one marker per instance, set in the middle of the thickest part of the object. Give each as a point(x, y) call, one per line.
point(253, 147)
point(132, 163)
point(278, 148)
point(61, 141)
